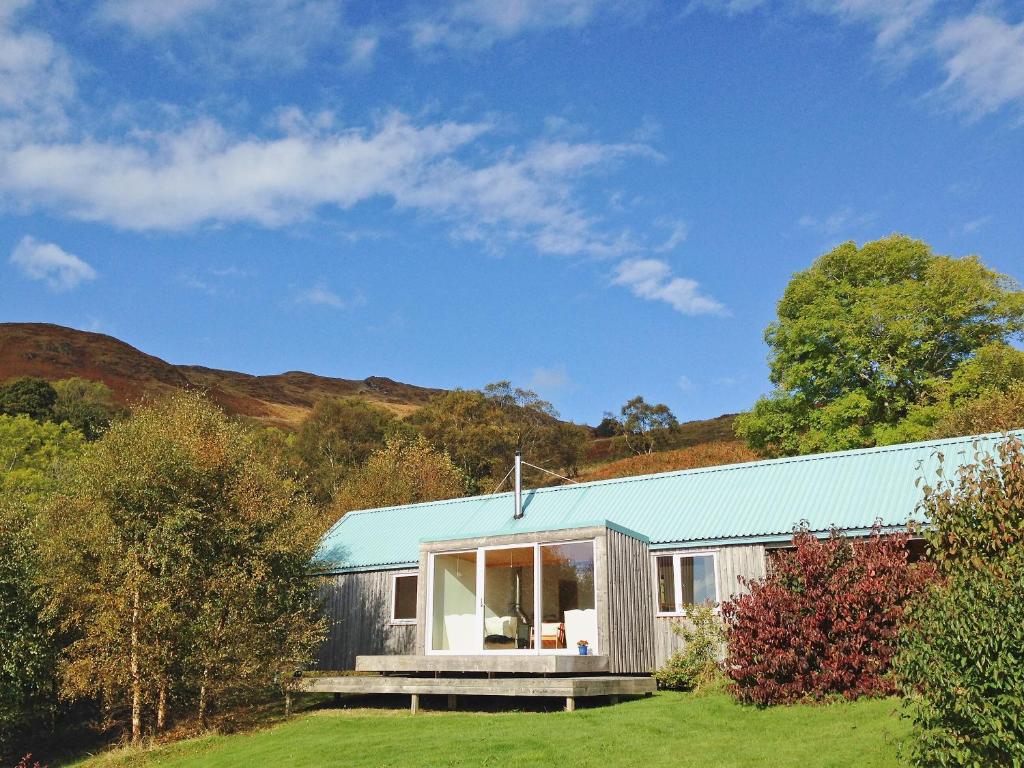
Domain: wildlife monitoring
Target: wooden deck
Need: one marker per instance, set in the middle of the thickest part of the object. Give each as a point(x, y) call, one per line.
point(527, 664)
point(569, 688)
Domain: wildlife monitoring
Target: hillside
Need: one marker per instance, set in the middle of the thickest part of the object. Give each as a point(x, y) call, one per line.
point(54, 352)
point(711, 454)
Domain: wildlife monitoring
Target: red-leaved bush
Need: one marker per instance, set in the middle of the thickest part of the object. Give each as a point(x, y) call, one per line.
point(824, 622)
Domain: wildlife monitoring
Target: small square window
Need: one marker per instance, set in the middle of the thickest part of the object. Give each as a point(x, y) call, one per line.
point(683, 580)
point(404, 602)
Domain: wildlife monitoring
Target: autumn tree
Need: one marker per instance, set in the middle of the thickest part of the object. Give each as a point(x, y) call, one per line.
point(177, 556)
point(866, 335)
point(31, 453)
point(337, 436)
point(406, 471)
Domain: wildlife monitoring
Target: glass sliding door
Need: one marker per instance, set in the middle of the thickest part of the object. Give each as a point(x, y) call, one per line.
point(453, 608)
point(568, 612)
point(508, 598)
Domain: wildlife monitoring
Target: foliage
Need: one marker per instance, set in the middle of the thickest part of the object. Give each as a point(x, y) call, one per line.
point(31, 453)
point(404, 472)
point(177, 556)
point(481, 431)
point(28, 647)
point(961, 664)
point(337, 436)
point(699, 664)
point(670, 729)
point(704, 455)
point(824, 622)
point(88, 406)
point(866, 335)
point(992, 411)
point(28, 396)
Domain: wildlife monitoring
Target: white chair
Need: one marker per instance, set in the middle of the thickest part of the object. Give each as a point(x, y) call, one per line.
point(581, 625)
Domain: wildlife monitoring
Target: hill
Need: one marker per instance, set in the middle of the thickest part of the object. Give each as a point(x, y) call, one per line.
point(54, 352)
point(710, 454)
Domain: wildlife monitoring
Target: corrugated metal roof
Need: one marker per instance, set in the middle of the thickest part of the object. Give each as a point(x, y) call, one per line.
point(732, 503)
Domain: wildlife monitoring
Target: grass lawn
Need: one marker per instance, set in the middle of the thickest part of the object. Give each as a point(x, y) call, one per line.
point(667, 729)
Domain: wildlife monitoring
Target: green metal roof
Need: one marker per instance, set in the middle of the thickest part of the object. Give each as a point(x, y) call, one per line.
point(755, 501)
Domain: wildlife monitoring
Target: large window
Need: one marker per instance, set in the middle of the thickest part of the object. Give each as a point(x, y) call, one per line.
point(528, 598)
point(684, 580)
point(403, 598)
point(453, 613)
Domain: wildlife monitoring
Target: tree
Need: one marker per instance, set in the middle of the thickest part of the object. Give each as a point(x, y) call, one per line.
point(961, 664)
point(178, 557)
point(482, 430)
point(337, 436)
point(29, 396)
point(404, 472)
point(31, 454)
point(28, 646)
point(88, 406)
point(866, 334)
point(645, 427)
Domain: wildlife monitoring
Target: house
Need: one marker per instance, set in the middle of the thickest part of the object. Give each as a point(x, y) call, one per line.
point(508, 586)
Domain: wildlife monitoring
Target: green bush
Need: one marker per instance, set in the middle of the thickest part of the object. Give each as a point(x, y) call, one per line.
point(963, 667)
point(961, 664)
point(699, 664)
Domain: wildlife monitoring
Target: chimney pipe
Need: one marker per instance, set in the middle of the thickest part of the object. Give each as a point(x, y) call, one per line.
point(519, 487)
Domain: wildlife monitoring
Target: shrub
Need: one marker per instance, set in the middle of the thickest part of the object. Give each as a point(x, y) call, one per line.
point(824, 622)
point(961, 662)
point(699, 664)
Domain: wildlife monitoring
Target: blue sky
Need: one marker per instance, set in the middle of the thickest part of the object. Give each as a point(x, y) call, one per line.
point(592, 198)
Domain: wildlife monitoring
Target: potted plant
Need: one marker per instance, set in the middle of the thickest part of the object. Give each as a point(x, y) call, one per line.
point(584, 647)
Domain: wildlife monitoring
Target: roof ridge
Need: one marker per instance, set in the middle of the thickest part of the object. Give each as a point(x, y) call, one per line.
point(781, 460)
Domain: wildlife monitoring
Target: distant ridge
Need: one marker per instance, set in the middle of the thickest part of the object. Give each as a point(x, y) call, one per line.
point(55, 352)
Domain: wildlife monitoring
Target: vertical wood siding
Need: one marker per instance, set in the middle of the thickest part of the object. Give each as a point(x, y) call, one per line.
point(731, 563)
point(630, 611)
point(358, 609)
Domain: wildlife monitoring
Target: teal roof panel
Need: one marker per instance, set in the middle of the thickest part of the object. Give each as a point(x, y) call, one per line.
point(737, 502)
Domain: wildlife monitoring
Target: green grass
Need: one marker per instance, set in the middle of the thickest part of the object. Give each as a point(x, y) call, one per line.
point(668, 729)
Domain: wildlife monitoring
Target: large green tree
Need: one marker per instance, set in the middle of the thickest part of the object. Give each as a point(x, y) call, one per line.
point(482, 429)
point(88, 406)
point(32, 453)
point(28, 396)
point(337, 436)
point(866, 334)
point(177, 555)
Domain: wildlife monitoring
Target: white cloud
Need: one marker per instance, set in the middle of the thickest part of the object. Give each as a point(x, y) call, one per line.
point(685, 383)
point(49, 263)
point(152, 17)
point(550, 379)
point(841, 221)
point(481, 23)
point(36, 81)
point(652, 279)
point(201, 175)
point(321, 295)
point(231, 36)
point(677, 236)
point(984, 61)
point(362, 49)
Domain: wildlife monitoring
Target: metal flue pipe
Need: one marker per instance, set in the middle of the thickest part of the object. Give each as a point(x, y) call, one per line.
point(519, 486)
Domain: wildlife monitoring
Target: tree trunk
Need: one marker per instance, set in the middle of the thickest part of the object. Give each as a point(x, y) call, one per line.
point(161, 707)
point(135, 673)
point(202, 702)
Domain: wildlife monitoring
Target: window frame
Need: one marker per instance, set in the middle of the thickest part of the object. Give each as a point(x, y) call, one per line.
point(395, 622)
point(677, 579)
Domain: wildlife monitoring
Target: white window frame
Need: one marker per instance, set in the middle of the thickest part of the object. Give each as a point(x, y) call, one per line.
point(394, 598)
point(536, 650)
point(677, 578)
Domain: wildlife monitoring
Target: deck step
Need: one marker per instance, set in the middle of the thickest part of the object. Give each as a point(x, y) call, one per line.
point(570, 687)
point(547, 664)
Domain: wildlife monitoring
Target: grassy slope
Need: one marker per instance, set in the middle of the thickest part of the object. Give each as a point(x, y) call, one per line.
point(668, 729)
point(704, 455)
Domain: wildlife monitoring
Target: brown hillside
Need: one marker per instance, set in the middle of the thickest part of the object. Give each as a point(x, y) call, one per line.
point(693, 457)
point(54, 352)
